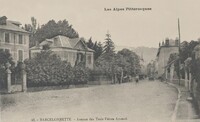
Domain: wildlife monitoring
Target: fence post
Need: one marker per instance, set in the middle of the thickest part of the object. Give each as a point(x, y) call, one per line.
point(24, 78)
point(190, 80)
point(8, 72)
point(186, 80)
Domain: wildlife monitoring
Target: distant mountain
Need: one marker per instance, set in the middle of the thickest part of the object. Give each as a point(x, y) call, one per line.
point(147, 52)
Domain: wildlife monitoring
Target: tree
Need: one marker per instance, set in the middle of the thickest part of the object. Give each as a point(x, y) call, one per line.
point(109, 45)
point(130, 62)
point(34, 24)
point(96, 46)
point(49, 30)
point(90, 44)
point(32, 29)
point(5, 57)
point(98, 50)
point(187, 50)
point(124, 61)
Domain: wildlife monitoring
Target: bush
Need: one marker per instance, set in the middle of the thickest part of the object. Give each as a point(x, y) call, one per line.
point(81, 74)
point(47, 69)
point(5, 57)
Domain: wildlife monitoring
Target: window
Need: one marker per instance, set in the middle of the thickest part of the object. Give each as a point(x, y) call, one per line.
point(7, 37)
point(20, 55)
point(57, 42)
point(66, 55)
point(20, 39)
point(24, 40)
point(89, 59)
point(15, 38)
point(5, 50)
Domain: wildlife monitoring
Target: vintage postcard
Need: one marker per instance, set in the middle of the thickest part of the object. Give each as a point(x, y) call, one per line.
point(99, 61)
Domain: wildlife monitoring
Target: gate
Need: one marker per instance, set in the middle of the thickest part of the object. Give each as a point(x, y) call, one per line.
point(14, 79)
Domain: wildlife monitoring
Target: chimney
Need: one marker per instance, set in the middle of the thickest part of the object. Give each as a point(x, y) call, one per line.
point(3, 20)
point(163, 43)
point(167, 42)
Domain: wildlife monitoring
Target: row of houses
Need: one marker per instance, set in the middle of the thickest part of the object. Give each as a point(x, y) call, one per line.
point(167, 48)
point(15, 40)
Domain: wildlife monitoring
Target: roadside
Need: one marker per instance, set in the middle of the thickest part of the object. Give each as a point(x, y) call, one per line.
point(185, 110)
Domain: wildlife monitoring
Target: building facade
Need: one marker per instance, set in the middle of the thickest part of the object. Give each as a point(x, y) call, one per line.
point(165, 50)
point(14, 39)
point(72, 50)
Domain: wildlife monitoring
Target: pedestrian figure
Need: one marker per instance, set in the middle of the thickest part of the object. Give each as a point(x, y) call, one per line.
point(137, 78)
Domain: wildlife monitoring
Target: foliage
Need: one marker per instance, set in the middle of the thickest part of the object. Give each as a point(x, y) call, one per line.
point(195, 68)
point(109, 46)
point(81, 74)
point(175, 58)
point(49, 30)
point(48, 69)
point(111, 63)
point(5, 57)
point(129, 61)
point(187, 50)
point(96, 46)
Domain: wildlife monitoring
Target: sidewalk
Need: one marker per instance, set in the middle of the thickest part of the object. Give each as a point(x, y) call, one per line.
point(185, 109)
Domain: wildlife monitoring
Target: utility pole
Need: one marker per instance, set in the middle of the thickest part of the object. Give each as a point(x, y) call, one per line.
point(179, 50)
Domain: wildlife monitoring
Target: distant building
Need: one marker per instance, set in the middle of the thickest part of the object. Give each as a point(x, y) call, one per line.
point(14, 39)
point(71, 50)
point(168, 47)
point(151, 69)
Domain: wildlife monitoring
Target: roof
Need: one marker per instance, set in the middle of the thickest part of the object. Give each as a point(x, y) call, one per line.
point(61, 42)
point(12, 25)
point(14, 22)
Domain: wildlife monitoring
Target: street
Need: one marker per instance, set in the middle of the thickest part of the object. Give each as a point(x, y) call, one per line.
point(148, 101)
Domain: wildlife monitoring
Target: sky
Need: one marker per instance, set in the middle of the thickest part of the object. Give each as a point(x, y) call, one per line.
point(127, 28)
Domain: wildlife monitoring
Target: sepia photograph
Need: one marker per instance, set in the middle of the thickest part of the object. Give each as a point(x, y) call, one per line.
point(99, 61)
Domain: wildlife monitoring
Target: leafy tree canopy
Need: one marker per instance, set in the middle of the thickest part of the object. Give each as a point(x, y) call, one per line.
point(5, 57)
point(96, 46)
point(49, 30)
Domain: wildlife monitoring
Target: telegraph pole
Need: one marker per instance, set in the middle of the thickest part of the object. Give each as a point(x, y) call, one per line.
point(179, 50)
